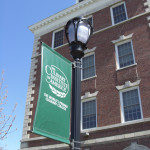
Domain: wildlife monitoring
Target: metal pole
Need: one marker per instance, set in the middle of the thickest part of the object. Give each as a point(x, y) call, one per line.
point(76, 105)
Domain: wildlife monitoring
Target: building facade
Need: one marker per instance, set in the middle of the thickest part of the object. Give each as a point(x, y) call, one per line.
point(115, 97)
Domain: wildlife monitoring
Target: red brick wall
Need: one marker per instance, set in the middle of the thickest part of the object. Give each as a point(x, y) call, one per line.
point(102, 18)
point(107, 76)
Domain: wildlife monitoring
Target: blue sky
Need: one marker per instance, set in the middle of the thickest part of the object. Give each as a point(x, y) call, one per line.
point(16, 44)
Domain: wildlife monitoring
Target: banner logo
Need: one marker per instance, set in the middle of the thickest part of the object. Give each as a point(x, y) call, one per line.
point(57, 81)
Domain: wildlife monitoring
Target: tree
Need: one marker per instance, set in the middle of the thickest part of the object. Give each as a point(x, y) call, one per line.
point(6, 120)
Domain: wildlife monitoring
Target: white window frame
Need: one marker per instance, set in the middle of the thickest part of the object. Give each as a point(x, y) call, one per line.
point(53, 37)
point(122, 107)
point(87, 100)
point(88, 54)
point(111, 12)
point(92, 19)
point(117, 55)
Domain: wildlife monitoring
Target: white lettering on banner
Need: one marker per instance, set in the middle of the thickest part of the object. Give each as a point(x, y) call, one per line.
point(57, 81)
point(55, 102)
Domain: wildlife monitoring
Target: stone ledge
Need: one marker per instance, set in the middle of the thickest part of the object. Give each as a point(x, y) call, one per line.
point(117, 125)
point(110, 139)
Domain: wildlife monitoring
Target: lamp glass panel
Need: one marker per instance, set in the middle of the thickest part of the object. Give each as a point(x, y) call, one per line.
point(83, 32)
point(71, 33)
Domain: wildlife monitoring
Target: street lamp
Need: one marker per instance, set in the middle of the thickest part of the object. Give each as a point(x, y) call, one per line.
point(78, 31)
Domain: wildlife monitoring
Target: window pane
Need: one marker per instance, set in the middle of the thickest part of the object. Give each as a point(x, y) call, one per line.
point(88, 67)
point(90, 20)
point(58, 39)
point(119, 13)
point(125, 54)
point(131, 105)
point(89, 114)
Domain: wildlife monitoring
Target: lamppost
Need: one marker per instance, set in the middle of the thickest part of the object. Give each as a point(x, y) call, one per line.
point(78, 31)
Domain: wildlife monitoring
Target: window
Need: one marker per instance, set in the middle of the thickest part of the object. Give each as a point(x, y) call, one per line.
point(88, 66)
point(118, 13)
point(89, 114)
point(125, 55)
point(90, 19)
point(131, 104)
point(58, 38)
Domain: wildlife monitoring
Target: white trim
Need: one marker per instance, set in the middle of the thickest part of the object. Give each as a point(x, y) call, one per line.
point(33, 139)
point(90, 16)
point(117, 56)
point(30, 91)
point(144, 120)
point(135, 146)
point(122, 38)
point(116, 138)
point(47, 147)
point(89, 78)
point(61, 46)
point(111, 11)
point(89, 95)
point(87, 51)
point(147, 3)
point(147, 10)
point(87, 100)
point(121, 102)
point(135, 64)
point(53, 37)
point(25, 136)
point(128, 84)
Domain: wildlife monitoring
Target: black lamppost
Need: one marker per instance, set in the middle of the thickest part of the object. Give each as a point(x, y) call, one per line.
point(78, 31)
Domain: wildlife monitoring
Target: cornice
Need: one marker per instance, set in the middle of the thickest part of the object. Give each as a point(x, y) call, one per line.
point(58, 20)
point(59, 15)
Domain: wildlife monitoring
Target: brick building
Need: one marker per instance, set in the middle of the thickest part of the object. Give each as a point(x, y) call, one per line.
point(115, 101)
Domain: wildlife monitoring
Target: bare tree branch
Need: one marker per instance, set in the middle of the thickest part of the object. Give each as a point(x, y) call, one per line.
point(6, 120)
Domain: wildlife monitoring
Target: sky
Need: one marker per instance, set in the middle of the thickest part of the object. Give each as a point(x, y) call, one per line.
point(16, 45)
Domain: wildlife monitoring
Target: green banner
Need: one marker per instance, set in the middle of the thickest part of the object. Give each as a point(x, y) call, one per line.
point(52, 117)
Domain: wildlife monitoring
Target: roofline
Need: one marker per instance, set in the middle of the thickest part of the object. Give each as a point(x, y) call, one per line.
point(59, 14)
point(79, 9)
